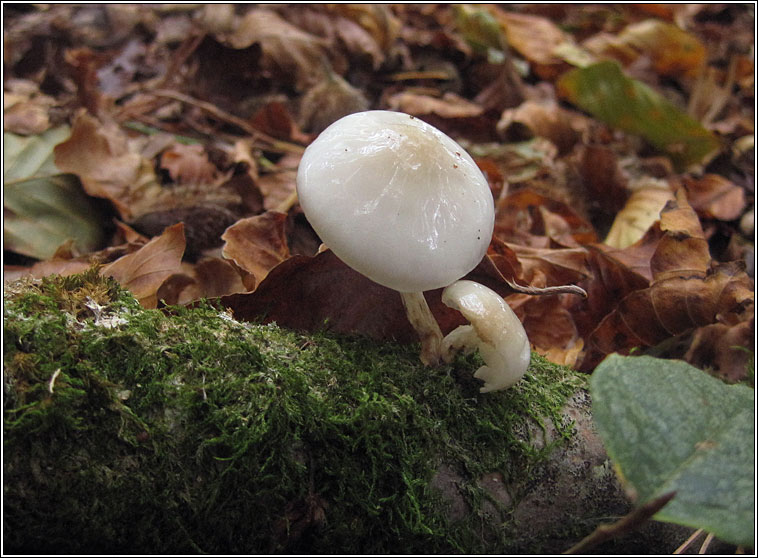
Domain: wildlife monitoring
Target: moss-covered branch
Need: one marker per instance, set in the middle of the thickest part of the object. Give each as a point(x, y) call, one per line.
point(182, 430)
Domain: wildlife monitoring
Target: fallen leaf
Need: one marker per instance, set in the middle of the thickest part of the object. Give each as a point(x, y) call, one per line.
point(715, 197)
point(544, 119)
point(328, 101)
point(529, 218)
point(449, 106)
point(670, 428)
point(40, 214)
point(641, 210)
point(144, 271)
point(313, 293)
point(209, 278)
point(27, 157)
point(670, 307)
point(535, 38)
point(725, 349)
point(189, 163)
point(43, 208)
point(608, 281)
point(257, 245)
point(366, 32)
point(683, 250)
point(279, 185)
point(25, 108)
point(549, 324)
point(100, 156)
point(377, 19)
point(321, 292)
point(274, 119)
point(604, 91)
point(672, 51)
point(481, 31)
point(292, 54)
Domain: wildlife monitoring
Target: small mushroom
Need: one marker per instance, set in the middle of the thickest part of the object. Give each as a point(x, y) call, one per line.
point(495, 330)
point(400, 202)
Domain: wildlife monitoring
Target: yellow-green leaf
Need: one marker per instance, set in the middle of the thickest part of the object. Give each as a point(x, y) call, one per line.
point(606, 93)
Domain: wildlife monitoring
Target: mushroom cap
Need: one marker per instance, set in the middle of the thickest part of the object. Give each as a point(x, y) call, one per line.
point(495, 330)
point(397, 200)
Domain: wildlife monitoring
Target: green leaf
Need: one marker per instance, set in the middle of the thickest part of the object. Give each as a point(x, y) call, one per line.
point(606, 93)
point(481, 31)
point(31, 156)
point(43, 208)
point(669, 426)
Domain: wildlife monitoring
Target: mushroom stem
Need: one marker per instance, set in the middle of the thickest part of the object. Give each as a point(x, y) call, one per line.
point(424, 322)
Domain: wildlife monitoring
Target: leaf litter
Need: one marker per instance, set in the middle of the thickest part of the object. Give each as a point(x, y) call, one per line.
point(187, 125)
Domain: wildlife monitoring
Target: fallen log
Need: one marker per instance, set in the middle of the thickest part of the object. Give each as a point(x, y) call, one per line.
point(184, 431)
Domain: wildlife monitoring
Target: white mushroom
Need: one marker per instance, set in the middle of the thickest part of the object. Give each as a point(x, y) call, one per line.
point(495, 330)
point(400, 202)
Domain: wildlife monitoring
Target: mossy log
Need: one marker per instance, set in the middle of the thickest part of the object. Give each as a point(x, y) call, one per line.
point(184, 431)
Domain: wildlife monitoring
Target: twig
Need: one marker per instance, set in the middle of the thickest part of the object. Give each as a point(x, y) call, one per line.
point(224, 116)
point(625, 525)
point(706, 544)
point(558, 289)
point(685, 545)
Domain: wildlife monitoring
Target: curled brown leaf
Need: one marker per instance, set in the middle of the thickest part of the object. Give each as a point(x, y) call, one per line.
point(144, 271)
point(257, 245)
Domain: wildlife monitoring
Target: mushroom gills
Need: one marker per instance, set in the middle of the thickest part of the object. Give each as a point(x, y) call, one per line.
point(495, 331)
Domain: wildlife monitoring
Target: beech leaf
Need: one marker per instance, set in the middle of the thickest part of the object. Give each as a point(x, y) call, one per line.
point(671, 427)
point(42, 207)
point(144, 271)
point(606, 93)
point(257, 244)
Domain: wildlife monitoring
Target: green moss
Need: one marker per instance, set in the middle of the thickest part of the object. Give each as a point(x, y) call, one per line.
point(182, 430)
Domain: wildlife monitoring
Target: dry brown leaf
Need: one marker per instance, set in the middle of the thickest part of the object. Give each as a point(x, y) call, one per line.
point(366, 32)
point(683, 250)
point(549, 325)
point(715, 197)
point(605, 183)
point(535, 38)
point(723, 348)
point(144, 271)
point(544, 119)
point(548, 320)
point(671, 307)
point(321, 292)
point(293, 55)
point(25, 108)
point(449, 106)
point(528, 218)
point(609, 281)
point(98, 153)
point(328, 101)
point(207, 279)
point(544, 267)
point(671, 51)
point(189, 164)
point(257, 245)
point(642, 209)
point(280, 185)
point(377, 19)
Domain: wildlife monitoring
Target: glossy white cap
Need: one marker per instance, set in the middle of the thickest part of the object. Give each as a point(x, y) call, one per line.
point(397, 200)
